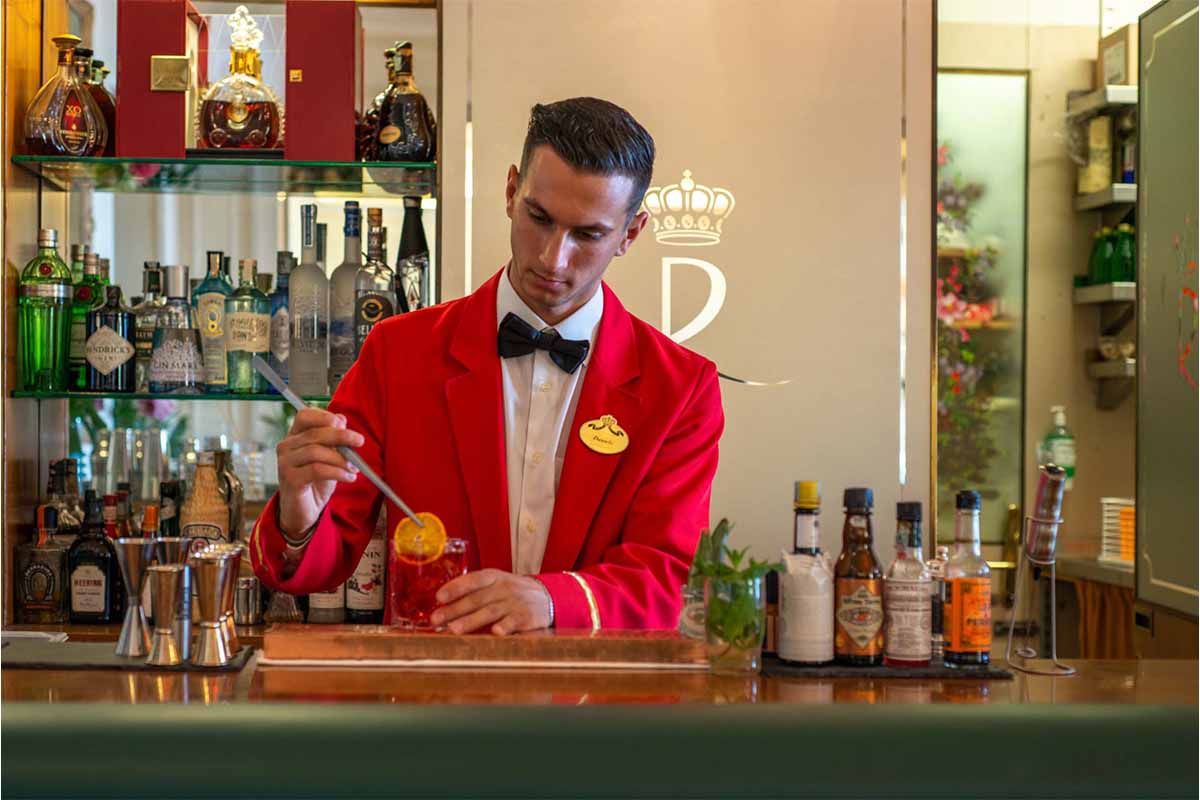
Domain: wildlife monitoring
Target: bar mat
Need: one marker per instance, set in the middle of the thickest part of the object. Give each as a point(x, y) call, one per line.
point(775, 667)
point(32, 654)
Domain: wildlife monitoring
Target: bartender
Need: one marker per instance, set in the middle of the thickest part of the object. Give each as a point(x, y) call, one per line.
point(570, 443)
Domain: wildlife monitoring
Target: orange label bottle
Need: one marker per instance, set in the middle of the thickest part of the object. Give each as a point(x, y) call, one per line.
point(969, 616)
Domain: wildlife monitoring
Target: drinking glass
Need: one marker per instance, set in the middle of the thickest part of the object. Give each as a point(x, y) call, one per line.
point(413, 585)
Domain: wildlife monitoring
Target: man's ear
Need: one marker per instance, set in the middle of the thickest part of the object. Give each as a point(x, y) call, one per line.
point(510, 189)
point(631, 232)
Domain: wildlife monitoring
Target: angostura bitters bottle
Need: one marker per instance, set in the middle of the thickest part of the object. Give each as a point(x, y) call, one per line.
point(44, 315)
point(968, 607)
point(63, 118)
point(240, 111)
point(407, 130)
point(858, 587)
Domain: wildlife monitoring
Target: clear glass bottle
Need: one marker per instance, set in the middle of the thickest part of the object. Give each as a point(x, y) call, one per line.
point(247, 331)
point(41, 574)
point(804, 627)
point(364, 590)
point(968, 589)
point(92, 565)
point(412, 261)
point(281, 329)
point(208, 300)
point(145, 321)
point(177, 361)
point(44, 314)
point(1058, 446)
point(328, 608)
point(937, 604)
point(407, 129)
point(858, 587)
point(308, 304)
point(241, 111)
point(88, 295)
point(205, 514)
point(374, 295)
point(110, 350)
point(906, 590)
point(232, 490)
point(63, 119)
point(342, 299)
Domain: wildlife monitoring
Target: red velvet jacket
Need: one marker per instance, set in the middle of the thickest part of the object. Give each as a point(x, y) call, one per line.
point(426, 394)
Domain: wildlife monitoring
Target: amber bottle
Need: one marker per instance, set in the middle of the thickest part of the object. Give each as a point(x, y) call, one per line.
point(858, 587)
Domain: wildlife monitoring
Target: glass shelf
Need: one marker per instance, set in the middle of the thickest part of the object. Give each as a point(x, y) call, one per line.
point(224, 175)
point(269, 398)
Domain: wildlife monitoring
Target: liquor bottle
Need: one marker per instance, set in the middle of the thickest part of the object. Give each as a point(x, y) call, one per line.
point(111, 502)
point(374, 295)
point(208, 300)
point(67, 513)
point(407, 130)
point(968, 589)
point(92, 565)
point(858, 587)
point(42, 573)
point(177, 360)
point(145, 321)
point(1123, 266)
point(105, 272)
point(248, 331)
point(88, 295)
point(149, 531)
point(412, 262)
point(240, 110)
point(170, 500)
point(906, 592)
point(263, 282)
point(89, 71)
point(804, 627)
point(308, 305)
point(364, 590)
point(1058, 446)
point(328, 608)
point(63, 119)
point(44, 303)
point(1098, 261)
point(937, 605)
point(232, 491)
point(124, 509)
point(78, 251)
point(109, 350)
point(205, 514)
point(342, 297)
point(281, 329)
point(70, 471)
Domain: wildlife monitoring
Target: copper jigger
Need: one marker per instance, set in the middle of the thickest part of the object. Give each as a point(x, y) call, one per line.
point(165, 585)
point(134, 556)
point(212, 571)
point(175, 550)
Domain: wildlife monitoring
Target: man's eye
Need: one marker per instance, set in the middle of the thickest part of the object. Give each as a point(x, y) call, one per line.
point(541, 219)
point(589, 236)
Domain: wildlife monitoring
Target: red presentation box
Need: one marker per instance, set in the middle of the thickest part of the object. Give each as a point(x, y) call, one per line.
point(324, 79)
point(156, 96)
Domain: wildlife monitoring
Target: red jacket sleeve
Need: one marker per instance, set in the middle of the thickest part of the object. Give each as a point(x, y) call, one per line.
point(638, 583)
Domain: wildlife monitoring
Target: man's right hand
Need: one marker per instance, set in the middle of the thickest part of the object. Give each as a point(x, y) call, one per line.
point(310, 467)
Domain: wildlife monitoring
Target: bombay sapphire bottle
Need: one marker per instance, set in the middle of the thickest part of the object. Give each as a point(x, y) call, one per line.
point(281, 329)
point(177, 364)
point(248, 330)
point(44, 303)
point(109, 350)
point(407, 130)
point(240, 110)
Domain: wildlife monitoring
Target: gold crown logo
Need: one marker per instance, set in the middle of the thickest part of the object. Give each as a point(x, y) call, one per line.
point(687, 213)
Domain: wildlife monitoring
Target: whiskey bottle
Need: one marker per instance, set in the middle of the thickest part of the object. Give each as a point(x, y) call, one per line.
point(805, 622)
point(906, 591)
point(145, 321)
point(968, 589)
point(248, 331)
point(44, 314)
point(209, 303)
point(240, 110)
point(205, 514)
point(92, 565)
point(63, 119)
point(364, 589)
point(858, 587)
point(177, 361)
point(110, 350)
point(308, 305)
point(407, 130)
point(342, 297)
point(374, 295)
point(412, 262)
point(41, 574)
point(87, 69)
point(88, 295)
point(281, 329)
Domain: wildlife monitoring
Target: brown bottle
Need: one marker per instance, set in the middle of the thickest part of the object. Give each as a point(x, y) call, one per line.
point(858, 587)
point(407, 130)
point(107, 104)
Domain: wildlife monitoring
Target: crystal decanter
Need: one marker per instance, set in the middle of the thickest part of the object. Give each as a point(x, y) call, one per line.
point(63, 119)
point(240, 111)
point(407, 129)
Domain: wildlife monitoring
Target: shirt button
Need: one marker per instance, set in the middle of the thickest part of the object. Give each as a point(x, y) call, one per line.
point(536, 458)
point(546, 386)
point(529, 526)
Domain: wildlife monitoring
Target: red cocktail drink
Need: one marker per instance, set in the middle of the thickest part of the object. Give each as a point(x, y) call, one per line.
point(413, 582)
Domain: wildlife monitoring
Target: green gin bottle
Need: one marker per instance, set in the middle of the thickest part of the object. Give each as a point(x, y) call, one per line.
point(208, 300)
point(247, 331)
point(89, 295)
point(44, 314)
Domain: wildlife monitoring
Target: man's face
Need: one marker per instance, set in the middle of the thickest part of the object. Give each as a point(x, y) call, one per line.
point(566, 227)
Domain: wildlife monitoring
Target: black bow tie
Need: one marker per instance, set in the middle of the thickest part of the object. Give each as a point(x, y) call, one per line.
point(518, 338)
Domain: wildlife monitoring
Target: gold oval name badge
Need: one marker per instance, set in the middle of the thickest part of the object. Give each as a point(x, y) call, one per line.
point(604, 435)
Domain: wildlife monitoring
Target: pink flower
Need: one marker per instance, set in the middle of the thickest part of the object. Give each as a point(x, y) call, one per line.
point(160, 410)
point(144, 172)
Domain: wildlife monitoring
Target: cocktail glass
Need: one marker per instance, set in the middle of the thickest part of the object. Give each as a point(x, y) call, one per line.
point(413, 583)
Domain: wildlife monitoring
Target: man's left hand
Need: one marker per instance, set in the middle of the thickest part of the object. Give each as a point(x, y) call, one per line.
point(491, 597)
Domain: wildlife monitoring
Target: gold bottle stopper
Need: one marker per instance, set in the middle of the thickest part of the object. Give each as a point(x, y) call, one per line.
point(808, 495)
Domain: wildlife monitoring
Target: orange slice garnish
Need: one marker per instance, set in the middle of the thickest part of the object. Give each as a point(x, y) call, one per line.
point(417, 545)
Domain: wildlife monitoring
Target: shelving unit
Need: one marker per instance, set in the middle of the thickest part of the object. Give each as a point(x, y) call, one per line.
point(1116, 369)
point(1100, 101)
point(1117, 302)
point(209, 398)
point(989, 325)
point(1115, 379)
point(1117, 195)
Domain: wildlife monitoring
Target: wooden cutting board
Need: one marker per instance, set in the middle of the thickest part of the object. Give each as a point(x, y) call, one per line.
point(574, 647)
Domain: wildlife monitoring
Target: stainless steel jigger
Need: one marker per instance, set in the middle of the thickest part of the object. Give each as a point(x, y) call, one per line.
point(134, 556)
point(165, 585)
point(233, 551)
point(213, 571)
point(175, 550)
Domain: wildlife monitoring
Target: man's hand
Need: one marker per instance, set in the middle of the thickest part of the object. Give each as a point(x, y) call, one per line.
point(508, 603)
point(310, 467)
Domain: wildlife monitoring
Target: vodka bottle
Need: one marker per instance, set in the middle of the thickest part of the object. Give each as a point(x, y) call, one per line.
point(308, 305)
point(374, 297)
point(281, 329)
point(342, 297)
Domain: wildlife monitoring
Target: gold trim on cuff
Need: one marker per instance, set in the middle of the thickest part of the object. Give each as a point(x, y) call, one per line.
point(591, 598)
point(256, 540)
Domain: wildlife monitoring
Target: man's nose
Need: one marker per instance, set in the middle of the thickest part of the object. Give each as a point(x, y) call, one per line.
point(555, 253)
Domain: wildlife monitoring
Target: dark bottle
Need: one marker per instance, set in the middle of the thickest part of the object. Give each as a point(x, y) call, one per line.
point(110, 349)
point(858, 587)
point(171, 496)
point(412, 262)
point(365, 588)
point(67, 514)
point(407, 130)
point(92, 563)
point(87, 70)
point(41, 574)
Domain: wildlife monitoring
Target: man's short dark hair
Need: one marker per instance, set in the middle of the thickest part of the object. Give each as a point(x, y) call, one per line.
point(593, 136)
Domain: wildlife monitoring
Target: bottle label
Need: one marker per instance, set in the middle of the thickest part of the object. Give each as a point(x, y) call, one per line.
point(210, 314)
point(143, 341)
point(37, 586)
point(72, 126)
point(176, 359)
point(48, 291)
point(78, 339)
point(89, 587)
point(969, 615)
point(369, 310)
point(203, 530)
point(334, 599)
point(364, 590)
point(859, 615)
point(1062, 453)
point(106, 350)
point(248, 332)
point(908, 608)
point(804, 627)
point(281, 334)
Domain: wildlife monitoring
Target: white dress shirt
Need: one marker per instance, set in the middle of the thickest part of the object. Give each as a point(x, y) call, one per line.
point(539, 407)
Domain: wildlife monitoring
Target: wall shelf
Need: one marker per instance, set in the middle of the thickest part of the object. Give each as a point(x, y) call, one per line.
point(989, 325)
point(220, 398)
point(1100, 101)
point(1115, 381)
point(1118, 368)
point(1116, 292)
point(1119, 194)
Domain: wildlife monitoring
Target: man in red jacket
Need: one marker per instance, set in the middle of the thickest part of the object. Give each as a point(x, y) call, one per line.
point(571, 444)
